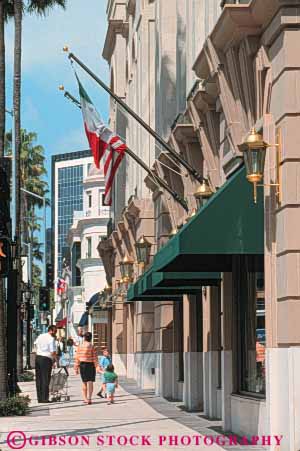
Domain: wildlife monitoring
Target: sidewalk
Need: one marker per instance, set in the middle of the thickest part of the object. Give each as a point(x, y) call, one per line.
point(136, 413)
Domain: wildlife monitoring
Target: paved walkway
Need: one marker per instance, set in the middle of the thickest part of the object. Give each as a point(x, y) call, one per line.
point(136, 413)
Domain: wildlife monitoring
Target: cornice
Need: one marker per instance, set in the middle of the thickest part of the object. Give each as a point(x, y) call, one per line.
point(234, 24)
point(185, 133)
point(114, 27)
point(105, 246)
point(131, 4)
point(94, 182)
point(84, 263)
point(151, 184)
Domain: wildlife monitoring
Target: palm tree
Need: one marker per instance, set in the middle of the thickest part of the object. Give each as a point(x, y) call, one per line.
point(15, 8)
point(3, 371)
point(18, 13)
point(2, 78)
point(5, 8)
point(40, 7)
point(32, 172)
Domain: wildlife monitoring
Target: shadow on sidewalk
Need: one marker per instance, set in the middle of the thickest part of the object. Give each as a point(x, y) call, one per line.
point(175, 410)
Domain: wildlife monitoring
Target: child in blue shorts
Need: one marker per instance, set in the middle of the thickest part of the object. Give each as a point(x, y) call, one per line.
point(104, 361)
point(110, 378)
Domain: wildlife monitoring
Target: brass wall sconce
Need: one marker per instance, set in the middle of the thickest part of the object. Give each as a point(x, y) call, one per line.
point(107, 289)
point(203, 193)
point(254, 150)
point(143, 249)
point(125, 283)
point(126, 269)
point(191, 215)
point(173, 232)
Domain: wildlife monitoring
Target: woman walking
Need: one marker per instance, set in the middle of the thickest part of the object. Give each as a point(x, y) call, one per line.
point(87, 362)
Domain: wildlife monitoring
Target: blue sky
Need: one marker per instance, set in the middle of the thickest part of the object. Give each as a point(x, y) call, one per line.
point(58, 123)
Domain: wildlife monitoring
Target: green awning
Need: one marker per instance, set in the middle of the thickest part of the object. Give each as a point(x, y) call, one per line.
point(133, 294)
point(229, 224)
point(162, 286)
point(185, 283)
point(179, 279)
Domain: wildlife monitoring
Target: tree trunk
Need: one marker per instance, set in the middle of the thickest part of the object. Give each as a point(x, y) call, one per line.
point(17, 126)
point(3, 362)
point(2, 80)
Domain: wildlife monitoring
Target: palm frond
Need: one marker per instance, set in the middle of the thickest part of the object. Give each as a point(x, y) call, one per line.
point(42, 7)
point(8, 9)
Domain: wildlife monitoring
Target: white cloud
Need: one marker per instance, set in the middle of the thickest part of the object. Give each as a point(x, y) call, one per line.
point(82, 26)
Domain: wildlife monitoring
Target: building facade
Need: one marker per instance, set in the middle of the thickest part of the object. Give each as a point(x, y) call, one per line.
point(87, 274)
point(68, 172)
point(211, 319)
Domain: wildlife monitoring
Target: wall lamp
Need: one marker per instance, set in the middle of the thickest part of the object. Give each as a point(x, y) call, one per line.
point(203, 193)
point(107, 290)
point(126, 269)
point(191, 215)
point(143, 249)
point(254, 150)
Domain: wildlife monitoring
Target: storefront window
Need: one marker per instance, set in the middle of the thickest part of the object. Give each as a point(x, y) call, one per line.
point(251, 341)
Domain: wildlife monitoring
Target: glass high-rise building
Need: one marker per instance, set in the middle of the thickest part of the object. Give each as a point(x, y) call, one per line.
point(68, 172)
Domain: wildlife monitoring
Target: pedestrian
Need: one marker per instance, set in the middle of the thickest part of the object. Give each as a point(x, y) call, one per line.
point(59, 350)
point(80, 335)
point(45, 359)
point(86, 361)
point(70, 348)
point(104, 361)
point(62, 355)
point(111, 380)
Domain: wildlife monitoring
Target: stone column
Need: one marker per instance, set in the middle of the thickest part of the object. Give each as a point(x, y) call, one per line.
point(227, 358)
point(129, 308)
point(109, 329)
point(193, 352)
point(178, 347)
point(163, 314)
point(211, 345)
point(145, 349)
point(118, 338)
point(282, 234)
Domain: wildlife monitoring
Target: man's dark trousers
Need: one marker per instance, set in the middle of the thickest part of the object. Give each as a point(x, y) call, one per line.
point(43, 367)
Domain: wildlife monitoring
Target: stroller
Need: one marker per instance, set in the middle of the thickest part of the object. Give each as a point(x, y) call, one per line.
point(59, 386)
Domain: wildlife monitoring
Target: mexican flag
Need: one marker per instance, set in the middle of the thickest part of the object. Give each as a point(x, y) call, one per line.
point(107, 148)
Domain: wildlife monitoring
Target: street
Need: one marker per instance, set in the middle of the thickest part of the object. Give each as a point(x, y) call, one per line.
point(135, 414)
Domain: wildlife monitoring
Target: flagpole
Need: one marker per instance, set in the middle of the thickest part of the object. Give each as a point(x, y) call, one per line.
point(138, 160)
point(174, 154)
point(156, 178)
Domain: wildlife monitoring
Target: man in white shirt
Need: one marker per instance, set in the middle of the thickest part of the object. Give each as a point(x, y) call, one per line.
point(45, 357)
point(80, 335)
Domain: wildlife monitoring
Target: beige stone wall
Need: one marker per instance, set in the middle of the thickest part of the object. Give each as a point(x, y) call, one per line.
point(285, 110)
point(164, 326)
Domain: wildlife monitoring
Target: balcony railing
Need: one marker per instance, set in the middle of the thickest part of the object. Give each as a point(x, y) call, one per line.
point(234, 2)
point(103, 212)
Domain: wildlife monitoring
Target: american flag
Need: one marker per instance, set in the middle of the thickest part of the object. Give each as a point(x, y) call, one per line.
point(61, 286)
